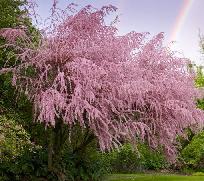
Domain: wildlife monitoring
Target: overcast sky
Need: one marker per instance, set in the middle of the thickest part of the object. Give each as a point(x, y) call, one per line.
point(180, 20)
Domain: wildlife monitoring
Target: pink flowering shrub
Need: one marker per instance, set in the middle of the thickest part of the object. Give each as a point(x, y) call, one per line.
point(119, 87)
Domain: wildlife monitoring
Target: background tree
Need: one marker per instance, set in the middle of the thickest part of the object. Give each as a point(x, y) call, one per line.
point(192, 153)
point(13, 13)
point(16, 114)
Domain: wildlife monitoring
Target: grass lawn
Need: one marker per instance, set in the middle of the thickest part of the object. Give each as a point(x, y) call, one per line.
point(152, 177)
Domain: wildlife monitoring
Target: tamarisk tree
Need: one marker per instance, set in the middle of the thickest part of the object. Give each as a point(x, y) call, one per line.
point(118, 87)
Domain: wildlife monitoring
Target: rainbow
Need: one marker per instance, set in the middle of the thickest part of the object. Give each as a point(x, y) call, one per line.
point(180, 20)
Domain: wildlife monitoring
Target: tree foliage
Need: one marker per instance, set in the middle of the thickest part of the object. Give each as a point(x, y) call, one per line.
point(118, 87)
point(199, 81)
point(13, 138)
point(13, 14)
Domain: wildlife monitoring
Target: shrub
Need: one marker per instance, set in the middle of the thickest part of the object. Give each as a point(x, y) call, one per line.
point(129, 160)
point(13, 139)
point(193, 153)
point(81, 159)
point(125, 160)
point(153, 159)
point(87, 166)
point(19, 158)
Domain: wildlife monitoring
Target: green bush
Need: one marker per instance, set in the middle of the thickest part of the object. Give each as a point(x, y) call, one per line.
point(13, 139)
point(87, 166)
point(130, 160)
point(20, 159)
point(193, 153)
point(152, 159)
point(30, 165)
point(126, 160)
point(81, 159)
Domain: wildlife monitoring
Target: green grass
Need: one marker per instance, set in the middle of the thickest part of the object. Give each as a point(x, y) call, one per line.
point(152, 177)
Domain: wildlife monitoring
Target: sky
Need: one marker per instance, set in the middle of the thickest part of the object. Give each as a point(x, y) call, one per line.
point(180, 20)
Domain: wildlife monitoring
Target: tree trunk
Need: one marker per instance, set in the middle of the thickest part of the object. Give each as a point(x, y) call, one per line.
point(50, 150)
point(55, 146)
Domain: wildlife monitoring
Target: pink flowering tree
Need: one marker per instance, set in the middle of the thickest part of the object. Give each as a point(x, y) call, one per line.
point(117, 87)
